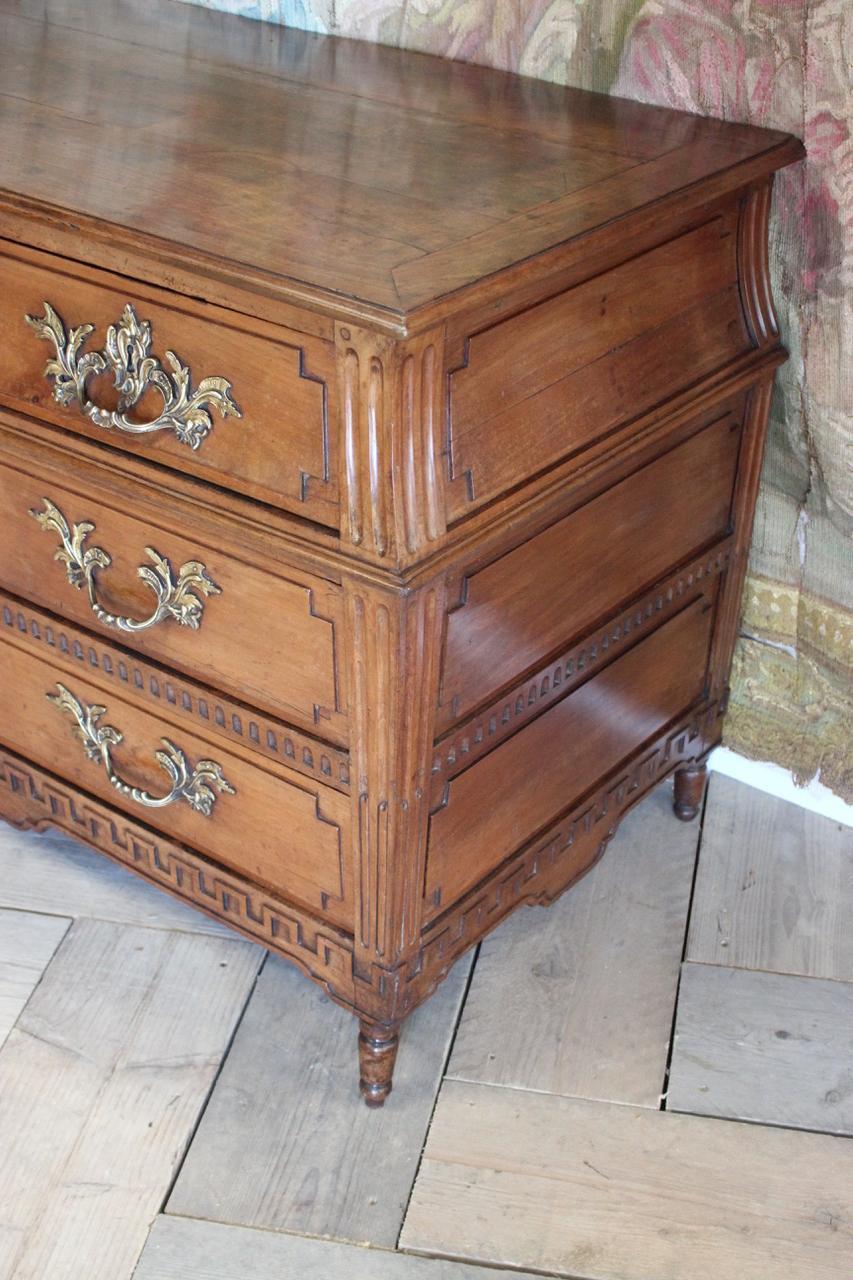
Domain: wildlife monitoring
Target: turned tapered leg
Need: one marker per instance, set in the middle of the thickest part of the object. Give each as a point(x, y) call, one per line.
point(689, 786)
point(377, 1052)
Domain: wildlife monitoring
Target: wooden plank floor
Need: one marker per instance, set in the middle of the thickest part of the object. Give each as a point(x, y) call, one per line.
point(774, 888)
point(27, 943)
point(764, 1046)
point(287, 1144)
point(148, 1082)
point(601, 1191)
point(188, 1249)
point(102, 1079)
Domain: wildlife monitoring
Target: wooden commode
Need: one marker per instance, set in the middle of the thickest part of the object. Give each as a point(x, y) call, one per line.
point(379, 445)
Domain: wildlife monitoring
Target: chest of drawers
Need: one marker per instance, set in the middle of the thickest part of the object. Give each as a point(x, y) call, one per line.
point(379, 443)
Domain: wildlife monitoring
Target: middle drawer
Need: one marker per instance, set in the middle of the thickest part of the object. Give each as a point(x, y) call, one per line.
point(269, 639)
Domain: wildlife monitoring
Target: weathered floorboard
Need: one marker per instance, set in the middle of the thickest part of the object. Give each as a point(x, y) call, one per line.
point(186, 1249)
point(774, 889)
point(578, 999)
point(55, 874)
point(763, 1046)
point(284, 1142)
point(101, 1082)
point(27, 942)
point(605, 1192)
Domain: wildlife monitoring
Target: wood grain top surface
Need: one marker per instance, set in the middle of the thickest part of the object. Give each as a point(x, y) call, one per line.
point(341, 168)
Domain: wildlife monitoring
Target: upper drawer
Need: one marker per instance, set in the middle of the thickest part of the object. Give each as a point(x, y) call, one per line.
point(268, 639)
point(280, 450)
point(549, 382)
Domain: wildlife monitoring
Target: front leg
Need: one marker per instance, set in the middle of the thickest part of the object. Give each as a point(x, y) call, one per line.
point(377, 1053)
point(689, 786)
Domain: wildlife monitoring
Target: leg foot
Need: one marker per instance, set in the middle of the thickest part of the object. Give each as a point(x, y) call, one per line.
point(377, 1051)
point(689, 785)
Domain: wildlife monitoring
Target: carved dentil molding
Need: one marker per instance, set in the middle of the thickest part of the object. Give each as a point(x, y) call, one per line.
point(174, 694)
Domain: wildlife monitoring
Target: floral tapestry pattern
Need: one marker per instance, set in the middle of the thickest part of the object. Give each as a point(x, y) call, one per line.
point(781, 63)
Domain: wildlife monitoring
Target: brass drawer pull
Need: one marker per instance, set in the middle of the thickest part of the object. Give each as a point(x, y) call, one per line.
point(127, 356)
point(175, 598)
point(197, 786)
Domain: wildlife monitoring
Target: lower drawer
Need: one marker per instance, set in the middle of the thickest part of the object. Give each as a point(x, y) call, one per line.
point(508, 796)
point(287, 835)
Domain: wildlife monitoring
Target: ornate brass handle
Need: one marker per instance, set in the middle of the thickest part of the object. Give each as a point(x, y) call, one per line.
point(127, 356)
point(198, 786)
point(175, 598)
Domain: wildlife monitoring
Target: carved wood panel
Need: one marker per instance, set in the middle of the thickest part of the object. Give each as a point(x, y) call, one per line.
point(517, 610)
point(557, 857)
point(465, 744)
point(497, 803)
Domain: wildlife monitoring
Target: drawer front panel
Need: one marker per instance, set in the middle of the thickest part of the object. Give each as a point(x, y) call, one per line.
point(549, 382)
point(279, 450)
point(519, 608)
point(522, 786)
point(268, 640)
point(290, 838)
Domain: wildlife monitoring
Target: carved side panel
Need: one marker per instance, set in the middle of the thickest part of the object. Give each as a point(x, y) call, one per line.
point(476, 737)
point(391, 412)
point(29, 797)
point(548, 383)
point(522, 607)
point(498, 803)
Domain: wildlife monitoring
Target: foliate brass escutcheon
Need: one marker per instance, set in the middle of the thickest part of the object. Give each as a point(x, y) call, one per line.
point(177, 597)
point(198, 785)
point(127, 356)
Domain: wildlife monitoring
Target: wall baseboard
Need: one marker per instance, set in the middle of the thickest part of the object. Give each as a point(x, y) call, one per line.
point(777, 781)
